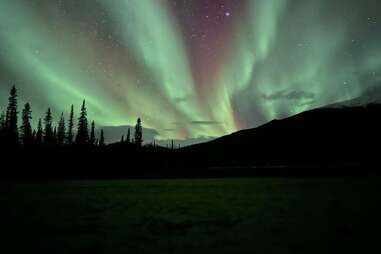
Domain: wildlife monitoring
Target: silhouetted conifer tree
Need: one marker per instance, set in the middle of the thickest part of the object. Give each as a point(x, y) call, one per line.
point(61, 132)
point(11, 130)
point(172, 145)
point(138, 133)
point(122, 139)
point(55, 135)
point(128, 137)
point(2, 121)
point(70, 128)
point(48, 130)
point(102, 139)
point(26, 128)
point(83, 129)
point(2, 126)
point(39, 133)
point(92, 133)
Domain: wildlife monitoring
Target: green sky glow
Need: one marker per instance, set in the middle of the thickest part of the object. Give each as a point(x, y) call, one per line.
point(131, 58)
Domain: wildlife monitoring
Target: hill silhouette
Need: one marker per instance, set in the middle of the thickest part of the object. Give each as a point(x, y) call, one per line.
point(336, 139)
point(323, 136)
point(324, 141)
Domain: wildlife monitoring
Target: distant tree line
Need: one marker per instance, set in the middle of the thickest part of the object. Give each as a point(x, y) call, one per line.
point(48, 134)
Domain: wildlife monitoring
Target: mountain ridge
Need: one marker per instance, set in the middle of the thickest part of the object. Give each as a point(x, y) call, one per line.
point(327, 134)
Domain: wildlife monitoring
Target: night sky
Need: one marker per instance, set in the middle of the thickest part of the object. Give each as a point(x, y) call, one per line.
point(189, 68)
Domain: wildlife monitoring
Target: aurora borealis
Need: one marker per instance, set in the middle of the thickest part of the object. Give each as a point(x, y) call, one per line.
point(188, 68)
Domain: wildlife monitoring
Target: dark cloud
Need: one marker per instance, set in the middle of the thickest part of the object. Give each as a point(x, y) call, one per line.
point(170, 130)
point(205, 122)
point(308, 104)
point(295, 95)
point(197, 122)
point(180, 99)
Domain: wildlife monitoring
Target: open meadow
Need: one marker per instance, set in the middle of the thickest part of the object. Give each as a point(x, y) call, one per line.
point(295, 215)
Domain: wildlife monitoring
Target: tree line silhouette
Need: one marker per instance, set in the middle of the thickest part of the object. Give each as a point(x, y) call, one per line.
point(47, 134)
point(282, 148)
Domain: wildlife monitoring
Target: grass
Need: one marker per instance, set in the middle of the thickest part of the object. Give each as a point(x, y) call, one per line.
point(323, 215)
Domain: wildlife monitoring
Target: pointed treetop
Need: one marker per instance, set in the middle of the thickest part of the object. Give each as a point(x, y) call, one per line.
point(13, 90)
point(102, 139)
point(92, 134)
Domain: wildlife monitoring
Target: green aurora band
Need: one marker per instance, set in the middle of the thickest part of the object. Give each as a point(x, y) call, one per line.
point(132, 60)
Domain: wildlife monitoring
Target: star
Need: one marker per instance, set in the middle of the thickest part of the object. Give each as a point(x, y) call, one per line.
point(227, 14)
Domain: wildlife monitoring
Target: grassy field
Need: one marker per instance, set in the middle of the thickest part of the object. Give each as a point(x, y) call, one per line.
point(191, 216)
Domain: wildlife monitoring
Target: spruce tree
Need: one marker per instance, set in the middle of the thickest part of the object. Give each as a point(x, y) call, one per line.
point(122, 139)
point(34, 136)
point(138, 133)
point(39, 133)
point(92, 133)
point(83, 129)
point(61, 132)
point(70, 128)
point(11, 130)
point(102, 139)
point(2, 125)
point(26, 128)
point(55, 135)
point(2, 121)
point(128, 137)
point(48, 130)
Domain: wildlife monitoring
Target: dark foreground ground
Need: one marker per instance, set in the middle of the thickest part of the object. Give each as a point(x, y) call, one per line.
point(320, 215)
